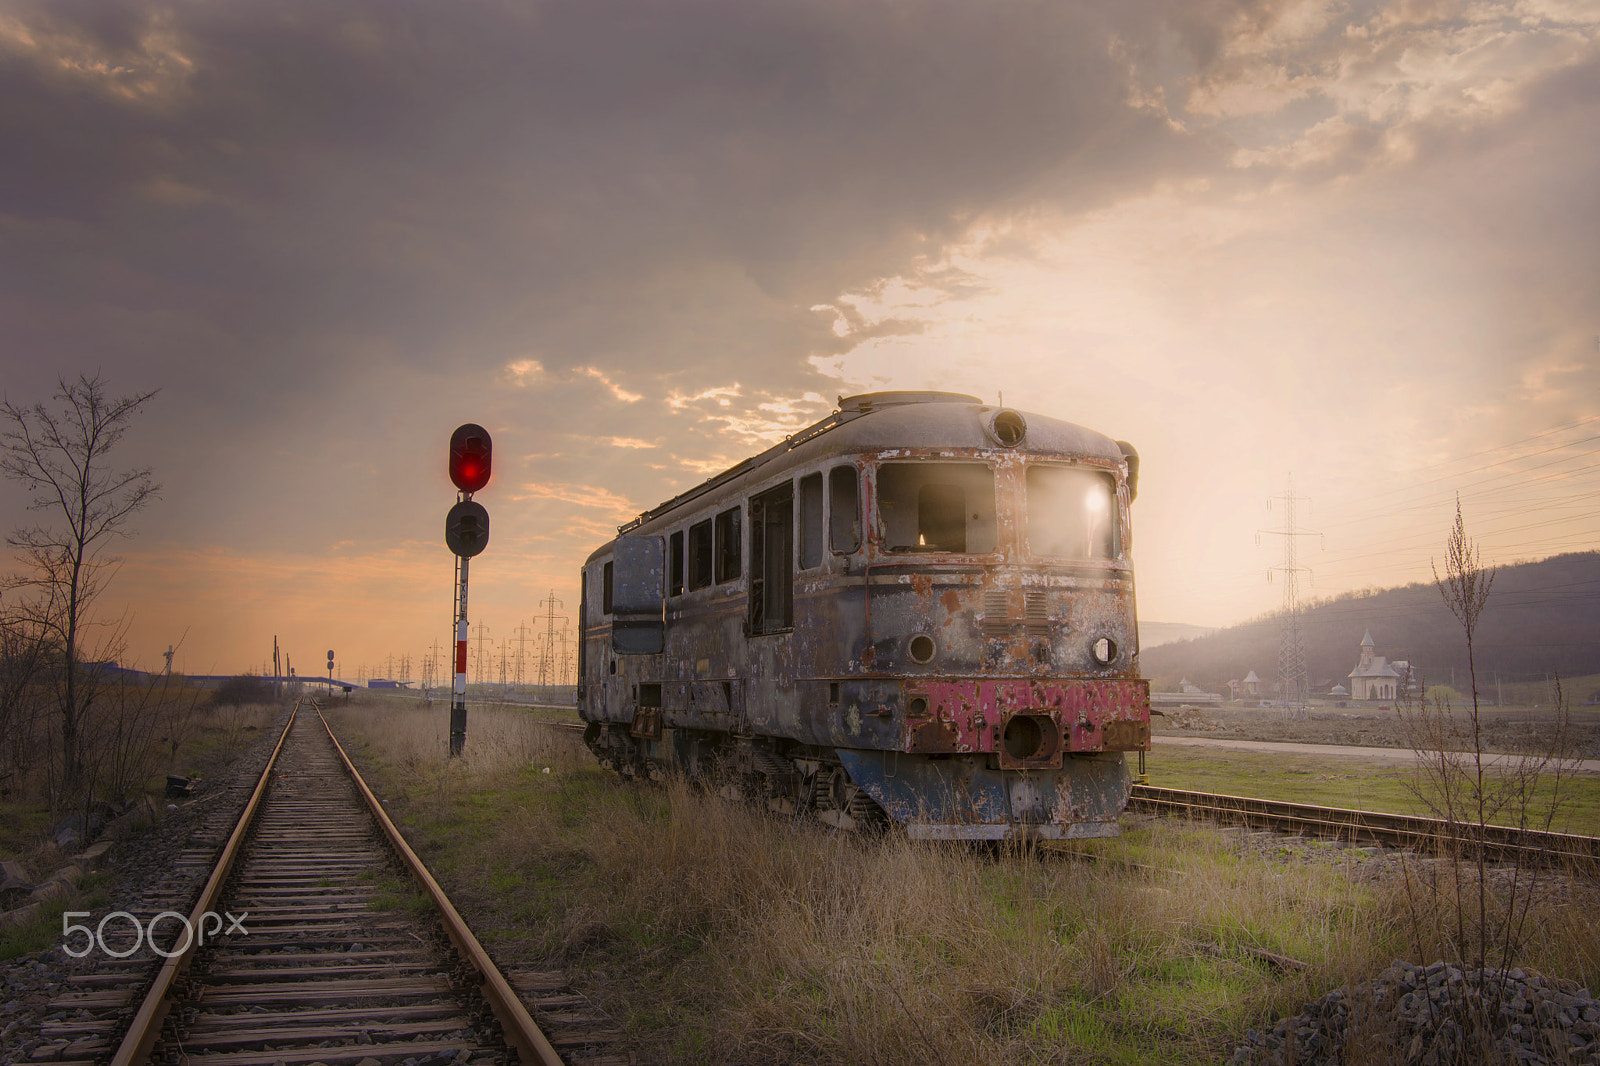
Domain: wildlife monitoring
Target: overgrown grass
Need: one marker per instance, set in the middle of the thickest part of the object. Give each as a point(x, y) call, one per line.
point(1339, 782)
point(45, 930)
point(215, 738)
point(718, 933)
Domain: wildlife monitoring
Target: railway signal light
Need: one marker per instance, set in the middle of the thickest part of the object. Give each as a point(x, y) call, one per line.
point(466, 528)
point(469, 458)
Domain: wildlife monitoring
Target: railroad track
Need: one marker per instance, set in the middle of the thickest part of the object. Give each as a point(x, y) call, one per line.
point(298, 966)
point(1501, 844)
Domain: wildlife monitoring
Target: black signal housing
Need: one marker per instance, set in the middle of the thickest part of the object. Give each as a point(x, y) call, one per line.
point(470, 454)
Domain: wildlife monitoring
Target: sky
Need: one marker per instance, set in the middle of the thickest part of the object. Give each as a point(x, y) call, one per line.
point(1345, 250)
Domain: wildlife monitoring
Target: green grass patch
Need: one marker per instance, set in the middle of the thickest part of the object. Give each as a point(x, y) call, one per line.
point(1345, 781)
point(45, 930)
point(397, 894)
point(22, 826)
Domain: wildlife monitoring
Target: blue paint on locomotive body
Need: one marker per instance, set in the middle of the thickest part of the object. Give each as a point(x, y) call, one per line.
point(963, 798)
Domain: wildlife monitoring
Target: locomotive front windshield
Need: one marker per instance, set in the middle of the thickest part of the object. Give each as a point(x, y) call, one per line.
point(937, 507)
point(1072, 513)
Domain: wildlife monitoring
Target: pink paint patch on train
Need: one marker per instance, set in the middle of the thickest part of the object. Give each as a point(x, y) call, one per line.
point(1061, 715)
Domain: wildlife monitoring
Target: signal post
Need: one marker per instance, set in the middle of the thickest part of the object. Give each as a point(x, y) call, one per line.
point(466, 533)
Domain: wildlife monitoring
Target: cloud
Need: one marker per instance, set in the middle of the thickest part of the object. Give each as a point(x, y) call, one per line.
point(721, 395)
point(705, 466)
point(578, 495)
point(605, 379)
point(142, 62)
point(523, 372)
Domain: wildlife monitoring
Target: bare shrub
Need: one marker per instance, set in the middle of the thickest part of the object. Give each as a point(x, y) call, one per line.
point(133, 728)
point(1463, 908)
point(24, 656)
point(245, 688)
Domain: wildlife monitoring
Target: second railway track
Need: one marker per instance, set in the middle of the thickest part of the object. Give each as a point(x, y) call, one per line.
point(1500, 843)
point(299, 967)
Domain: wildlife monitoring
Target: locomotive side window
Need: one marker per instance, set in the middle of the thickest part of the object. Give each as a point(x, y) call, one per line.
point(605, 594)
point(810, 521)
point(1072, 513)
point(675, 564)
point(728, 545)
point(844, 509)
point(937, 507)
point(772, 560)
point(700, 555)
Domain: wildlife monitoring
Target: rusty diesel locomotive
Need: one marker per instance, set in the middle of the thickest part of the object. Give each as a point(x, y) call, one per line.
point(921, 608)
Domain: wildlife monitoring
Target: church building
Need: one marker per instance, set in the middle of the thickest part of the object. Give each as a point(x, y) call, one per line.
point(1376, 678)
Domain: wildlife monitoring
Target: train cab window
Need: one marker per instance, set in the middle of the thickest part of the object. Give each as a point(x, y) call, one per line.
point(937, 507)
point(675, 564)
point(810, 521)
point(700, 555)
point(605, 593)
point(728, 545)
point(772, 560)
point(1072, 513)
point(844, 510)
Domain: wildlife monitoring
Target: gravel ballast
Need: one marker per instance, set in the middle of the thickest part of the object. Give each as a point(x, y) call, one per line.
point(1434, 1015)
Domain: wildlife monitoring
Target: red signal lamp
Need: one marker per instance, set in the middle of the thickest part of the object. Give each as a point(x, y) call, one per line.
point(469, 457)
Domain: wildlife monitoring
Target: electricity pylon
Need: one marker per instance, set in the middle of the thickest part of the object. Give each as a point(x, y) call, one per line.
point(1294, 688)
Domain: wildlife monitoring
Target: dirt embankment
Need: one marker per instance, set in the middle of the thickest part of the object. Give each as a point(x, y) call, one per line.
point(1502, 729)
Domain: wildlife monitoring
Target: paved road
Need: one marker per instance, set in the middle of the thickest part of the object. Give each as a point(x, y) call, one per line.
point(1399, 755)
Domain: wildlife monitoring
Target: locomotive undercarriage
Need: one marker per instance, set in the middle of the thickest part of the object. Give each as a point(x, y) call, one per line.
point(946, 797)
point(787, 778)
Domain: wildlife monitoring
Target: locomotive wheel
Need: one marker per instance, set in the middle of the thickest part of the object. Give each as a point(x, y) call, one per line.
point(840, 789)
point(842, 803)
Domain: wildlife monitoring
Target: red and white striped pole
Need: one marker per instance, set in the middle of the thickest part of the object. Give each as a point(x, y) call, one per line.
point(458, 708)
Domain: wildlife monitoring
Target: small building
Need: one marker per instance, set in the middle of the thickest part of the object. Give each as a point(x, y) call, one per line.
point(1250, 687)
point(1374, 677)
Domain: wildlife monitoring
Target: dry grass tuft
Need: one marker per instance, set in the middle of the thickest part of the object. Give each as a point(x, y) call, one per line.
point(720, 933)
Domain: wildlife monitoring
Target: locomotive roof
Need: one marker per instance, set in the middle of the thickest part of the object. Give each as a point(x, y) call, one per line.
point(913, 421)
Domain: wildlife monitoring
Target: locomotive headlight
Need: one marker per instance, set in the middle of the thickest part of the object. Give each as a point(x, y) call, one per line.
point(1104, 650)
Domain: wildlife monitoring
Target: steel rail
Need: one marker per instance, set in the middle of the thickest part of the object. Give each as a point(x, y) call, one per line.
point(1357, 826)
point(146, 1025)
point(520, 1029)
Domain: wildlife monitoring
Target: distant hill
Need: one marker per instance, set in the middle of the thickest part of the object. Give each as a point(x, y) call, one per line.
point(1152, 634)
point(1540, 618)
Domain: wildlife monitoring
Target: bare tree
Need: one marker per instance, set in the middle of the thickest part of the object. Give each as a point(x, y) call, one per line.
point(62, 455)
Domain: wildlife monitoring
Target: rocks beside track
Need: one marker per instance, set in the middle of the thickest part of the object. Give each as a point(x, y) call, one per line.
point(1436, 1015)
